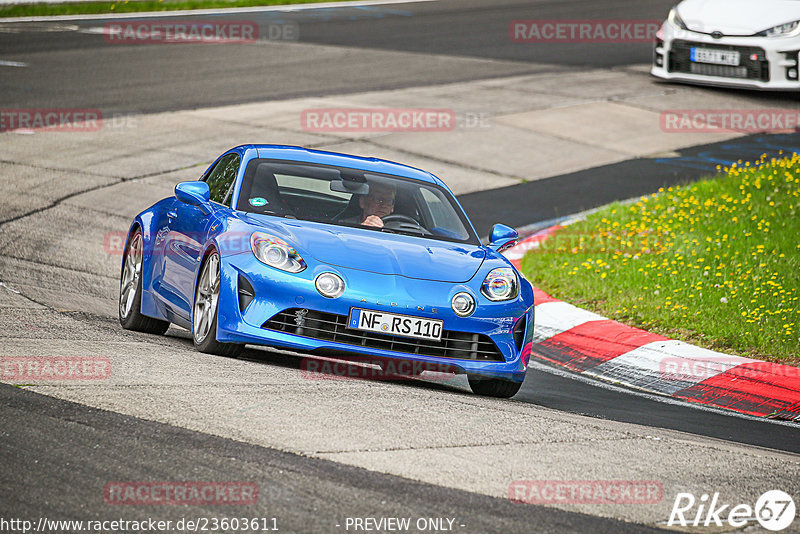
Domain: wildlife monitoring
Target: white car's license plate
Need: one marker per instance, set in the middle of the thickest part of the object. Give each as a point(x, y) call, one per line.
point(394, 324)
point(716, 57)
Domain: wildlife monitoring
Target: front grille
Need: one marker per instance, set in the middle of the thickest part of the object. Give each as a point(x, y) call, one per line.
point(718, 70)
point(753, 61)
point(332, 327)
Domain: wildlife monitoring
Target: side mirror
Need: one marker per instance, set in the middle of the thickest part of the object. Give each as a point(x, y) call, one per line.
point(194, 193)
point(502, 238)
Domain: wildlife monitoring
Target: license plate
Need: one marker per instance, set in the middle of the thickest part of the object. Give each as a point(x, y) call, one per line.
point(394, 324)
point(717, 57)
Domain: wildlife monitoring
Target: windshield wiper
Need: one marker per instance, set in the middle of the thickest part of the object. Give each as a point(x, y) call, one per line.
point(402, 232)
point(276, 214)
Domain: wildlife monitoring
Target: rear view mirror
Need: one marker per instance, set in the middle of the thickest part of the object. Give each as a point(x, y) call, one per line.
point(503, 237)
point(194, 193)
point(349, 186)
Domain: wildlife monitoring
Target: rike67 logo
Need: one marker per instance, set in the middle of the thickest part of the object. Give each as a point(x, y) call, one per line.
point(774, 510)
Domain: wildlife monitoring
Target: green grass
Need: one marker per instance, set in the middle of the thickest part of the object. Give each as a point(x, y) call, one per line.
point(715, 263)
point(93, 8)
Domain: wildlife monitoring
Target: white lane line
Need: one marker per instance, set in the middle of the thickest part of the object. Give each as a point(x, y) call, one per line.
point(12, 64)
point(553, 318)
point(226, 11)
point(9, 288)
point(666, 366)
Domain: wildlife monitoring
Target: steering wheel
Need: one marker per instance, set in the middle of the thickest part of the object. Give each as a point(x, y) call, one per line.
point(397, 221)
point(399, 218)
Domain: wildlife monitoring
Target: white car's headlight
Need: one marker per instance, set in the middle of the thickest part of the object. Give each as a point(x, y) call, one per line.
point(789, 29)
point(275, 252)
point(676, 20)
point(500, 284)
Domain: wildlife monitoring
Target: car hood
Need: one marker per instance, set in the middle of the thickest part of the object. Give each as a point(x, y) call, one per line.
point(737, 17)
point(378, 252)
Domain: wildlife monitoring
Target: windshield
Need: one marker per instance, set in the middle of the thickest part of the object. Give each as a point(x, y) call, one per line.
point(350, 197)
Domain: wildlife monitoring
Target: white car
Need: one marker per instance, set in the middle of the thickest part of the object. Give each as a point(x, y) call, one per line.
point(751, 44)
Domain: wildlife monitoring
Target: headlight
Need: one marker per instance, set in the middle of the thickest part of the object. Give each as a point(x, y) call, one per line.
point(463, 304)
point(329, 285)
point(676, 20)
point(500, 284)
point(275, 252)
point(789, 29)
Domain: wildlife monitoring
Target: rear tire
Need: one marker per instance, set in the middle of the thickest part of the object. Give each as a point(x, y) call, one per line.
point(204, 312)
point(493, 387)
point(130, 291)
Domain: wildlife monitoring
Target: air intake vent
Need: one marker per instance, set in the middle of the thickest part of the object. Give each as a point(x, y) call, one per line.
point(330, 327)
point(246, 293)
point(519, 331)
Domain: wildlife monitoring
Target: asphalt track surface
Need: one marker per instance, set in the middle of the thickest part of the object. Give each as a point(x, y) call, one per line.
point(305, 495)
point(583, 190)
point(71, 64)
point(70, 68)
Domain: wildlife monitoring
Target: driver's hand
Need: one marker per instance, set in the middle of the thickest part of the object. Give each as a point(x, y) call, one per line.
point(373, 220)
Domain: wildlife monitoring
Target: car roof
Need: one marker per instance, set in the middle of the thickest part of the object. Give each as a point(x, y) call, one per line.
point(305, 155)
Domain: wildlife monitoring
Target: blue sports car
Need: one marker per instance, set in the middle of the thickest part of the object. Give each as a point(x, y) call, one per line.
point(329, 253)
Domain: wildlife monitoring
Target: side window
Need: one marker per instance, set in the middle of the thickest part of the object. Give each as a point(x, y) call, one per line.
point(444, 217)
point(222, 177)
point(438, 211)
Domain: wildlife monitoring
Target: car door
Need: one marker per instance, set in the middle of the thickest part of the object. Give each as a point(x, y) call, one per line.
point(188, 230)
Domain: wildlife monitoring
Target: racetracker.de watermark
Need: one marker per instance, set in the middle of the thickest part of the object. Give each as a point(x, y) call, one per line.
point(378, 120)
point(192, 493)
point(583, 31)
point(325, 369)
point(586, 491)
point(50, 119)
point(690, 370)
point(729, 120)
point(228, 243)
point(34, 368)
point(570, 241)
point(185, 31)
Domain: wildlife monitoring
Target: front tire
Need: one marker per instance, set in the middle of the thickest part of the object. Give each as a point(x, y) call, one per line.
point(204, 313)
point(130, 291)
point(493, 387)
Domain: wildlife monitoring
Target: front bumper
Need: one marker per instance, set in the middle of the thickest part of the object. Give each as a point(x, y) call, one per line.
point(277, 296)
point(766, 63)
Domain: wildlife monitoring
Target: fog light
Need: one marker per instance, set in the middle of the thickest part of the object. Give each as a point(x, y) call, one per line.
point(659, 61)
point(329, 285)
point(791, 74)
point(463, 304)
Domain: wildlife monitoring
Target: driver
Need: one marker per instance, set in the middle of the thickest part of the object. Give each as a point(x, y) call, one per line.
point(378, 203)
